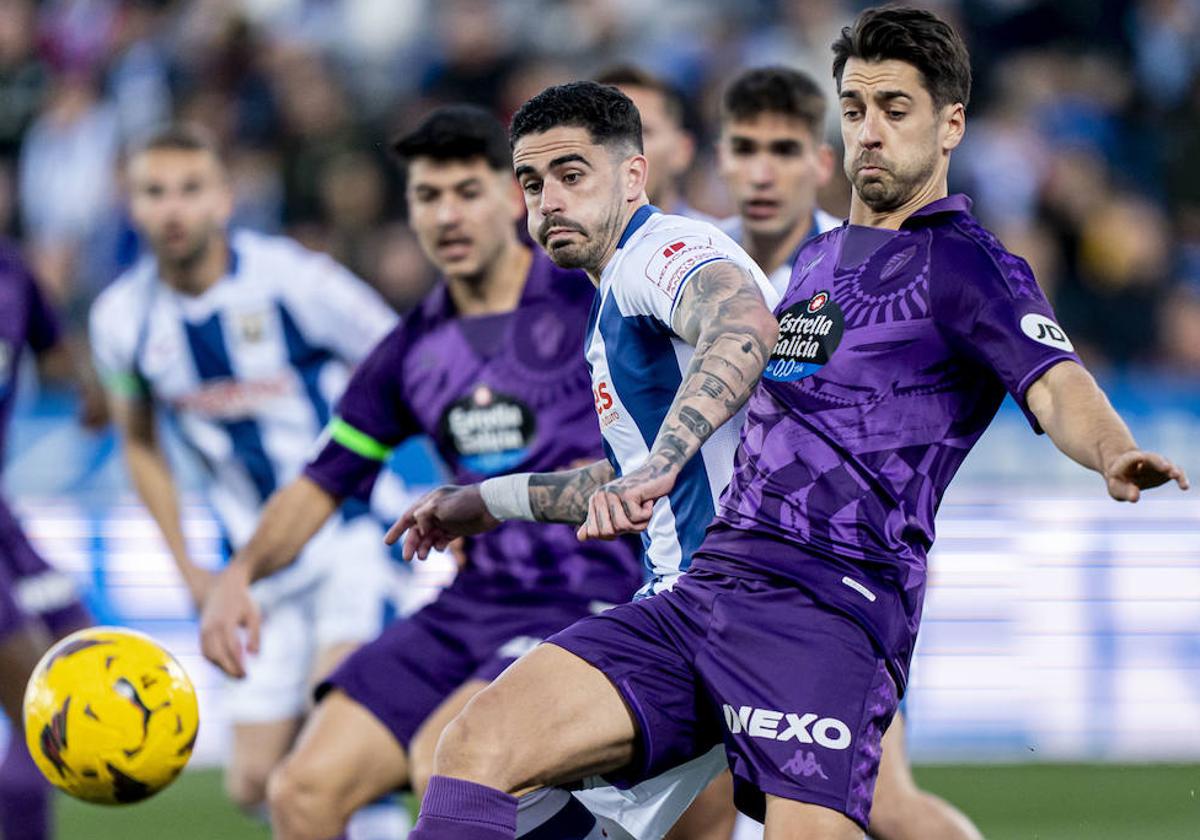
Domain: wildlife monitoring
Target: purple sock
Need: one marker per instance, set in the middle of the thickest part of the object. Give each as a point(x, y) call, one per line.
point(454, 809)
point(24, 794)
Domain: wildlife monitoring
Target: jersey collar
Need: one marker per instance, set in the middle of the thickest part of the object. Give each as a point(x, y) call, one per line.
point(639, 218)
point(955, 203)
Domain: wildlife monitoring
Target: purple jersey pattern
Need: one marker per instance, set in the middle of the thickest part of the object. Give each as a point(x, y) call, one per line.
point(498, 393)
point(896, 350)
point(26, 319)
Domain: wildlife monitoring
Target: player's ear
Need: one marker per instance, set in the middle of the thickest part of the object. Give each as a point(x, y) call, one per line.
point(516, 199)
point(634, 171)
point(825, 163)
point(954, 126)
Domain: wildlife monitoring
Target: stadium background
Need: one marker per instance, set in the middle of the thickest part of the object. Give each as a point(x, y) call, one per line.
point(1060, 628)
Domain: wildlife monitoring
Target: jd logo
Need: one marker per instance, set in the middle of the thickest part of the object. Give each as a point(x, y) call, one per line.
point(1044, 331)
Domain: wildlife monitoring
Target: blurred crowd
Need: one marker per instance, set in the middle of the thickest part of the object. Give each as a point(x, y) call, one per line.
point(1082, 152)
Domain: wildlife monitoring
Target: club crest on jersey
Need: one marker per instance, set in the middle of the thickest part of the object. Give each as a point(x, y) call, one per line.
point(490, 431)
point(253, 327)
point(809, 333)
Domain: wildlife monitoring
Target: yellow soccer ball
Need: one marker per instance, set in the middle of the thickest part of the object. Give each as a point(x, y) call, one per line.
point(110, 716)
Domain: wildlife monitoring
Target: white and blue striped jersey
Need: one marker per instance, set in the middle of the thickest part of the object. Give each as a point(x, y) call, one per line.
point(249, 369)
point(637, 363)
point(782, 276)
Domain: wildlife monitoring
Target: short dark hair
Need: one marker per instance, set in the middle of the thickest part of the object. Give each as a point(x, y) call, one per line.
point(775, 90)
point(457, 133)
point(610, 117)
point(915, 36)
point(630, 75)
point(182, 136)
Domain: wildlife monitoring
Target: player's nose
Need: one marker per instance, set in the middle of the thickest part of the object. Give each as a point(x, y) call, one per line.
point(869, 134)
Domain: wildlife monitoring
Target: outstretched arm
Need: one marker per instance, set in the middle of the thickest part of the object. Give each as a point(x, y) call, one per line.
point(1078, 417)
point(450, 512)
point(722, 313)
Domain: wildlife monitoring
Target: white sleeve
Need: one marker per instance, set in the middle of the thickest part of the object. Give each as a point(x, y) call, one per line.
point(112, 331)
point(337, 310)
point(655, 271)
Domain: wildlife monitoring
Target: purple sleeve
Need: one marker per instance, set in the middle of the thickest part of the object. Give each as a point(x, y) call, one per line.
point(372, 418)
point(988, 303)
point(43, 330)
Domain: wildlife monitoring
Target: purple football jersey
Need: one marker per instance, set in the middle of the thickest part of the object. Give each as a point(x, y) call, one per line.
point(895, 350)
point(25, 320)
point(497, 394)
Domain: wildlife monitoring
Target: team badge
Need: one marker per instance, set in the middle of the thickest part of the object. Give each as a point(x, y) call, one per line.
point(809, 332)
point(253, 327)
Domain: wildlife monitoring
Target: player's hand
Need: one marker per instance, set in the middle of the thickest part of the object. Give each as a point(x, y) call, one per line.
point(199, 583)
point(623, 506)
point(438, 518)
point(228, 610)
point(1136, 470)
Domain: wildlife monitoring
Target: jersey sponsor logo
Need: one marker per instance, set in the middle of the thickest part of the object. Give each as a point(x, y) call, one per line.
point(809, 332)
point(491, 432)
point(673, 262)
point(770, 725)
point(225, 399)
point(1044, 331)
point(605, 403)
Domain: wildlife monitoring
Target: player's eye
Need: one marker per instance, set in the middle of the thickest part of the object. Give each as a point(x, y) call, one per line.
point(424, 196)
point(470, 193)
point(850, 113)
point(897, 115)
point(742, 149)
point(572, 177)
point(787, 149)
point(532, 187)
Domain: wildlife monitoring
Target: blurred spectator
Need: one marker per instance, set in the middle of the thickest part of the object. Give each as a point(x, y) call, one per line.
point(24, 77)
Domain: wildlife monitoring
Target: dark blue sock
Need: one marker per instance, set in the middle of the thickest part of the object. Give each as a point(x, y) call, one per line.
point(24, 794)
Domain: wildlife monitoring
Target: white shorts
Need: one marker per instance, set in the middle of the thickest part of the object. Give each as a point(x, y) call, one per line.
point(347, 590)
point(648, 810)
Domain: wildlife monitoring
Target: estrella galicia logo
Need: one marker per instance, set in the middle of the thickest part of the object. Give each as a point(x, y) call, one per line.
point(809, 332)
point(491, 432)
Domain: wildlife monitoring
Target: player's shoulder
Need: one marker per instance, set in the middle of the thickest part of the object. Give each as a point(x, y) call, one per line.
point(979, 257)
point(265, 253)
point(121, 301)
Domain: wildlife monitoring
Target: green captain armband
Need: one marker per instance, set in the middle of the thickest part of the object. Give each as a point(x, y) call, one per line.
point(125, 384)
point(360, 443)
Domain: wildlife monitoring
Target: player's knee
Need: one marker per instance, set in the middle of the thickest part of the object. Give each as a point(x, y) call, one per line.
point(302, 803)
point(246, 787)
point(471, 747)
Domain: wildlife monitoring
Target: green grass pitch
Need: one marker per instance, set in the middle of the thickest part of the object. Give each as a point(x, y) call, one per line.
point(1022, 802)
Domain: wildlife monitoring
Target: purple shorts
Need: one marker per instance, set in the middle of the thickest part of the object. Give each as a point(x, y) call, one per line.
point(417, 662)
point(799, 694)
point(31, 589)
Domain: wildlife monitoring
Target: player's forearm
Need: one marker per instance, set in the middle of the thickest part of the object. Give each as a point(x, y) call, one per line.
point(1078, 417)
point(155, 486)
point(728, 363)
point(289, 520)
point(563, 496)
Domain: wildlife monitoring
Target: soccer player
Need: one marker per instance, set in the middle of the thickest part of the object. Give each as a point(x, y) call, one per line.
point(666, 142)
point(680, 326)
point(488, 366)
point(772, 155)
point(789, 637)
point(243, 341)
point(38, 604)
point(773, 158)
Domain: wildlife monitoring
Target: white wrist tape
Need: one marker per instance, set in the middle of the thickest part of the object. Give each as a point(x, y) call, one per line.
point(507, 497)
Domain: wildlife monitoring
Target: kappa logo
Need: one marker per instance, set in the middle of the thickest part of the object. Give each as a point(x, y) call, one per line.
point(807, 728)
point(1044, 331)
point(672, 249)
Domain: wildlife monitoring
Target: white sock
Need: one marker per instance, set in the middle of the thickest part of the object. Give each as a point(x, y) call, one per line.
point(384, 820)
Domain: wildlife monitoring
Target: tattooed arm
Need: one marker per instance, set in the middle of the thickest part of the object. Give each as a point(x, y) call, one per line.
point(563, 496)
point(449, 512)
point(721, 312)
